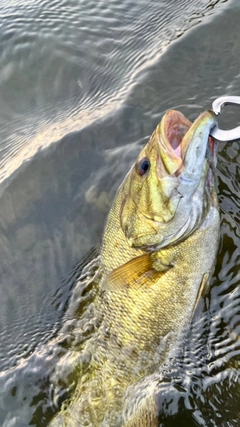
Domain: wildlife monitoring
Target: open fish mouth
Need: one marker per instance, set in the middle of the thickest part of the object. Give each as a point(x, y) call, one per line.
point(176, 134)
point(174, 127)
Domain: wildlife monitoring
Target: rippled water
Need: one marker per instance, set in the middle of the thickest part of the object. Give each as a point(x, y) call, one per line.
point(82, 86)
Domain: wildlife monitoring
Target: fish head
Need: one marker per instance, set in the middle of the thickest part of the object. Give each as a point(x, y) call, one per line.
point(170, 188)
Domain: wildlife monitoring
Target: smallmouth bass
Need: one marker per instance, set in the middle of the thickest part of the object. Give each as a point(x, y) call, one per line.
point(157, 257)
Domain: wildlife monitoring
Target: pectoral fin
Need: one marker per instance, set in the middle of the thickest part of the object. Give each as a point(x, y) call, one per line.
point(136, 273)
point(203, 289)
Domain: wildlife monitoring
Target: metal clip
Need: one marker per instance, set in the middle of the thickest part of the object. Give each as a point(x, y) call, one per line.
point(225, 135)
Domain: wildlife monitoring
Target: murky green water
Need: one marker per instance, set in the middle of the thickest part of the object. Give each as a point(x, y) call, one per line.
point(82, 86)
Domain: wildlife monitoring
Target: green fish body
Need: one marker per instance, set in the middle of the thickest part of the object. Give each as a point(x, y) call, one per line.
point(157, 257)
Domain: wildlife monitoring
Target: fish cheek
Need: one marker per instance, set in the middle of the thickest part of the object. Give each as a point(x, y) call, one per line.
point(149, 204)
point(156, 198)
point(134, 224)
point(137, 199)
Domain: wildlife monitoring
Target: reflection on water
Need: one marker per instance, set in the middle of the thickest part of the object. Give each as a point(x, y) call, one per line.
point(71, 63)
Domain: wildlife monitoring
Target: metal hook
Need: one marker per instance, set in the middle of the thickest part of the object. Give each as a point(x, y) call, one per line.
point(217, 105)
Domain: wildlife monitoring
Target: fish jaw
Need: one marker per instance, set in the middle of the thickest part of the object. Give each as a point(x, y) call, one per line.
point(168, 202)
point(197, 154)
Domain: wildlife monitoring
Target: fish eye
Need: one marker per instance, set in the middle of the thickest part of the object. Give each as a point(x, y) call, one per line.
point(143, 166)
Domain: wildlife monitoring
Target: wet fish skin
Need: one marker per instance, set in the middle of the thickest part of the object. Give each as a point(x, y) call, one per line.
point(157, 256)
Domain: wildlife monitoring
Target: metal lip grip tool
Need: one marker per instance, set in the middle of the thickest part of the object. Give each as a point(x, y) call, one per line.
point(217, 105)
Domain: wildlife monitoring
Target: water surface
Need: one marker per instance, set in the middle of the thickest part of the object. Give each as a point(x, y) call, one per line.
point(82, 86)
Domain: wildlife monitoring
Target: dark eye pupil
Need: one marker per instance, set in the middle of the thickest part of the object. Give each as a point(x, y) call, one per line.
point(143, 166)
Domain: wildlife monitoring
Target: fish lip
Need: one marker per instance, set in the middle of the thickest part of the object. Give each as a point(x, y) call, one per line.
point(213, 144)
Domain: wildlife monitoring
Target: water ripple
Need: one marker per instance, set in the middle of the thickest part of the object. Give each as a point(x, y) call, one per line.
point(68, 63)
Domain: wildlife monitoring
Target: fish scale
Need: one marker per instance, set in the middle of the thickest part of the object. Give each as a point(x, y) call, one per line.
point(154, 267)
